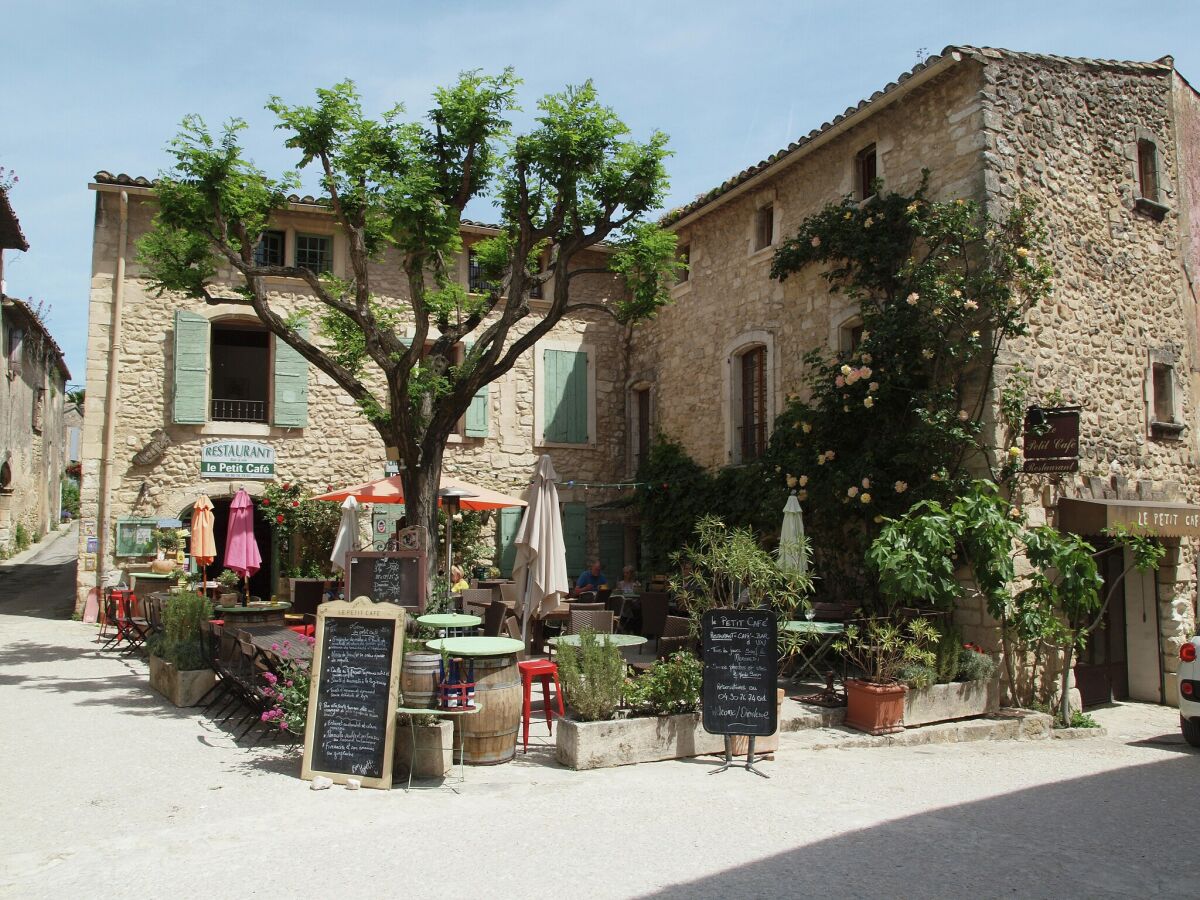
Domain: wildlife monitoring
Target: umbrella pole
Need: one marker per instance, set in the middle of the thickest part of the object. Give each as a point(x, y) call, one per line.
point(245, 589)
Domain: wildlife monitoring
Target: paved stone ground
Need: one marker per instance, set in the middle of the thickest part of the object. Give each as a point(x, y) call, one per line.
point(41, 580)
point(109, 791)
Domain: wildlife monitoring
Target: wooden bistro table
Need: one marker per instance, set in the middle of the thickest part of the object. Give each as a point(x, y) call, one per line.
point(489, 738)
point(450, 624)
point(253, 614)
point(825, 633)
point(269, 637)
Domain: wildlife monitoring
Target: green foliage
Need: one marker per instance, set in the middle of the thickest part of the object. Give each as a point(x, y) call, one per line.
point(229, 580)
point(646, 259)
point(672, 686)
point(940, 286)
point(167, 539)
point(974, 666)
point(70, 496)
point(21, 538)
point(305, 528)
point(918, 676)
point(1083, 720)
point(288, 691)
point(948, 651)
point(180, 642)
point(592, 677)
point(881, 648)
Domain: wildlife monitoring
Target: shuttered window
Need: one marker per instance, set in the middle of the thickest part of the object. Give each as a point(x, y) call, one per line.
point(506, 536)
point(291, 385)
point(641, 425)
point(565, 396)
point(752, 423)
point(190, 383)
point(575, 538)
point(475, 422)
point(866, 171)
point(612, 549)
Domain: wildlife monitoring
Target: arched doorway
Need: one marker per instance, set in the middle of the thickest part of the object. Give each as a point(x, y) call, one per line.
point(262, 582)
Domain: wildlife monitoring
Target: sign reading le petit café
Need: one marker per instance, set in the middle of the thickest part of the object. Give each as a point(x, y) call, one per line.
point(237, 459)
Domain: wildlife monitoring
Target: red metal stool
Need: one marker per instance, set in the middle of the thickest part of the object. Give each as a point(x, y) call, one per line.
point(543, 670)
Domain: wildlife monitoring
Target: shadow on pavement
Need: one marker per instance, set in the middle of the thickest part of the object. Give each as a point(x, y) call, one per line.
point(1106, 835)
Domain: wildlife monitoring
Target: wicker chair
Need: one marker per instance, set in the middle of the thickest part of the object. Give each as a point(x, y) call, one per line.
point(598, 620)
point(586, 607)
point(655, 608)
point(493, 621)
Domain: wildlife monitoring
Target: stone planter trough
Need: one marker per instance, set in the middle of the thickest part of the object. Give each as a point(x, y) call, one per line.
point(619, 742)
point(181, 688)
point(946, 702)
point(434, 753)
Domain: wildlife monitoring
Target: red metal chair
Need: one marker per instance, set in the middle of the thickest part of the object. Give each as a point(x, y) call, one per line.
point(544, 671)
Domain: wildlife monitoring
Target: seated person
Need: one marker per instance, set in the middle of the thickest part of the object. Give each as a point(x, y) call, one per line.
point(591, 579)
point(458, 583)
point(628, 583)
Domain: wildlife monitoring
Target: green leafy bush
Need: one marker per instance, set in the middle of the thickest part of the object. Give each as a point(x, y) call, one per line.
point(974, 666)
point(880, 648)
point(592, 677)
point(180, 642)
point(70, 496)
point(672, 686)
point(918, 676)
point(948, 650)
point(1083, 720)
point(20, 537)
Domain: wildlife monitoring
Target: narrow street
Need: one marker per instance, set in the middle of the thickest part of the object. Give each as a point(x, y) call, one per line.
point(43, 584)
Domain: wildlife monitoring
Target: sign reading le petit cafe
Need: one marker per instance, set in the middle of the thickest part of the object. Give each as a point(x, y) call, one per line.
point(237, 459)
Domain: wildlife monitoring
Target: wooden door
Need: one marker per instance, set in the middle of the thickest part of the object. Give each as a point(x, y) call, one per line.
point(1102, 673)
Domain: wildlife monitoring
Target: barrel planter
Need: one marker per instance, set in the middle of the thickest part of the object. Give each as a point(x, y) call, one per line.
point(875, 708)
point(490, 735)
point(419, 680)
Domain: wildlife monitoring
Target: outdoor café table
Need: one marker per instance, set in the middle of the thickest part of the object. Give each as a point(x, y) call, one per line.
point(238, 616)
point(267, 637)
point(824, 632)
point(412, 712)
point(490, 738)
point(450, 624)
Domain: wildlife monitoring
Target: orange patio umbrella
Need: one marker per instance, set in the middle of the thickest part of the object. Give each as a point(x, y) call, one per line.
point(204, 544)
point(390, 490)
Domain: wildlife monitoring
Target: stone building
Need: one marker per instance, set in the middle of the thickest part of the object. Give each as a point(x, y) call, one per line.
point(1109, 150)
point(168, 378)
point(31, 410)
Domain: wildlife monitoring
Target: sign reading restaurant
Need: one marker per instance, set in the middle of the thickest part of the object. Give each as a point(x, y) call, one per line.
point(237, 459)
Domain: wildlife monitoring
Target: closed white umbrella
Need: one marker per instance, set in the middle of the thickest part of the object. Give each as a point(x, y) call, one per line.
point(541, 565)
point(792, 550)
point(347, 536)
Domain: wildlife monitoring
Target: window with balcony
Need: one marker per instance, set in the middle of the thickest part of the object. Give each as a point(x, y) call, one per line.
point(241, 373)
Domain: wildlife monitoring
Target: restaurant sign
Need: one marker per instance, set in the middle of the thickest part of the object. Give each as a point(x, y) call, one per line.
point(237, 459)
point(1051, 440)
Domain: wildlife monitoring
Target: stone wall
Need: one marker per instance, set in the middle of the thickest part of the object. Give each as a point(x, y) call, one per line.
point(338, 446)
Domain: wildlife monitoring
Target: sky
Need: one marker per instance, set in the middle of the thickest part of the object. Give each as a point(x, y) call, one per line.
point(90, 86)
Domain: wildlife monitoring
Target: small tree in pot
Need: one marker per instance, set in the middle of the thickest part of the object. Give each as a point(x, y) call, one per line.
point(881, 650)
point(179, 668)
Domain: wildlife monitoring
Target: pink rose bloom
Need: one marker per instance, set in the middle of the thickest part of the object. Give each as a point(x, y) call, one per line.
point(840, 381)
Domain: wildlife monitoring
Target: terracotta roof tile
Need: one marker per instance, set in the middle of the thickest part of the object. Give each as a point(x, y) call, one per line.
point(32, 321)
point(11, 236)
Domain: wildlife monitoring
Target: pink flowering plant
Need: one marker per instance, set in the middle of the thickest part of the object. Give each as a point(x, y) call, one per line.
point(288, 690)
point(898, 419)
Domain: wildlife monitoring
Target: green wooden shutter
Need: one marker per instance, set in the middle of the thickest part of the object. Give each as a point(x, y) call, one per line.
point(506, 536)
point(612, 549)
point(575, 538)
point(477, 413)
point(190, 406)
point(291, 385)
point(566, 396)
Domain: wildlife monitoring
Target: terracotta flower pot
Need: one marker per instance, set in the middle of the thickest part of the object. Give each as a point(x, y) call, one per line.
point(875, 708)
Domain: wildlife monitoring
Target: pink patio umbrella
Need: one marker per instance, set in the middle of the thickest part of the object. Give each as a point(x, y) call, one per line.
point(241, 551)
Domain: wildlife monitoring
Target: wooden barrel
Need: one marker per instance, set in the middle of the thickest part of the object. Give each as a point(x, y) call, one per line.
point(418, 681)
point(490, 735)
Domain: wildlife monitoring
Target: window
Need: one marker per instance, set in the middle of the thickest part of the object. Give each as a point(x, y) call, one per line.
point(235, 371)
point(314, 252)
point(16, 344)
point(640, 425)
point(241, 373)
point(475, 422)
point(269, 251)
point(865, 172)
point(39, 406)
point(476, 283)
point(535, 291)
point(751, 408)
point(1164, 396)
point(564, 390)
point(1147, 158)
point(684, 256)
point(764, 227)
point(1164, 406)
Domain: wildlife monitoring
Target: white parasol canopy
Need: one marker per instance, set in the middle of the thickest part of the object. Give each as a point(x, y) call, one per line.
point(792, 551)
point(347, 536)
point(540, 571)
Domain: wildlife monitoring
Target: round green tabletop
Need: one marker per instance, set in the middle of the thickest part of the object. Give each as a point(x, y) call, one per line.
point(476, 646)
point(449, 620)
point(800, 626)
point(617, 640)
point(254, 609)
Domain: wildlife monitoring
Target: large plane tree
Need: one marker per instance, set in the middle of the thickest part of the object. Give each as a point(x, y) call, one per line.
point(398, 187)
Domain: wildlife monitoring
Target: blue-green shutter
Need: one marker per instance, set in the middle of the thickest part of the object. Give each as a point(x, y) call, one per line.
point(291, 385)
point(476, 424)
point(612, 549)
point(575, 538)
point(566, 400)
point(506, 536)
point(190, 401)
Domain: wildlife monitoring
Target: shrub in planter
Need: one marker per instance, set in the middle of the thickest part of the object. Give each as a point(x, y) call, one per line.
point(671, 686)
point(974, 666)
point(288, 691)
point(179, 668)
point(917, 676)
point(592, 677)
point(881, 649)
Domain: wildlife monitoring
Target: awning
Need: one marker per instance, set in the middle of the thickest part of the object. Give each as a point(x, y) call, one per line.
point(1151, 517)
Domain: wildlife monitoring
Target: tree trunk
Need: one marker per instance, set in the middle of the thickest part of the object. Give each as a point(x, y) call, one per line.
point(421, 505)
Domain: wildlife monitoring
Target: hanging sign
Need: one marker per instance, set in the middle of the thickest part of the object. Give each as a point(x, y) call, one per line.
point(237, 459)
point(1051, 440)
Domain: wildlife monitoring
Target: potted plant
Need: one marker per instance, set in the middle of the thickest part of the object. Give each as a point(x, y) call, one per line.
point(881, 649)
point(179, 668)
point(229, 581)
point(592, 677)
point(426, 741)
point(167, 542)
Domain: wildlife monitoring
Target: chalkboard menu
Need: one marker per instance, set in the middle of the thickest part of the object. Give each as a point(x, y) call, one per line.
point(397, 577)
point(352, 697)
point(741, 660)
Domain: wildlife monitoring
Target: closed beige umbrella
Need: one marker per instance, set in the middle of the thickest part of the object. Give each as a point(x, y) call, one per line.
point(204, 544)
point(540, 571)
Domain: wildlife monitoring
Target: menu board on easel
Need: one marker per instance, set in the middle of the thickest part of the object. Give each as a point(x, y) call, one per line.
point(350, 731)
point(741, 671)
point(387, 577)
